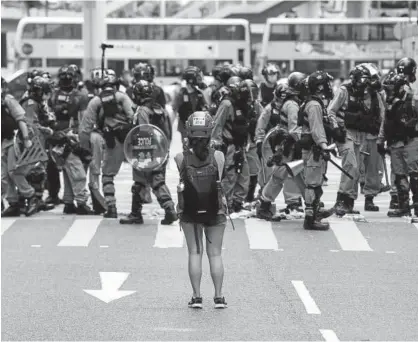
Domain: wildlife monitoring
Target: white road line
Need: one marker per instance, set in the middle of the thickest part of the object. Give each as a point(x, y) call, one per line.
point(80, 233)
point(349, 236)
point(260, 234)
point(6, 224)
point(35, 246)
point(169, 236)
point(305, 297)
point(415, 224)
point(329, 335)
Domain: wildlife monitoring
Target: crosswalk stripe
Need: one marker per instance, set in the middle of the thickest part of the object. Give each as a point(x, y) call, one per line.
point(349, 236)
point(6, 224)
point(260, 234)
point(80, 233)
point(416, 225)
point(329, 335)
point(169, 236)
point(305, 297)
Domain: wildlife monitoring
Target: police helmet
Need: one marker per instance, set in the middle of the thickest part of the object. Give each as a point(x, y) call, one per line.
point(360, 76)
point(248, 91)
point(216, 70)
point(191, 75)
point(143, 71)
point(408, 67)
point(199, 125)
point(109, 78)
point(142, 91)
point(97, 76)
point(280, 90)
point(320, 82)
point(225, 74)
point(32, 74)
point(393, 84)
point(66, 77)
point(295, 81)
point(246, 73)
point(375, 76)
point(76, 69)
point(271, 69)
point(39, 86)
point(233, 85)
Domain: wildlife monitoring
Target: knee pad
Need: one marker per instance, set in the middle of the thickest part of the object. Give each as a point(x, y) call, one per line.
point(36, 178)
point(158, 185)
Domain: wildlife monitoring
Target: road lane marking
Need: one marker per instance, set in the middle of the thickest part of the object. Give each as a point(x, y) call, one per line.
point(305, 297)
point(80, 233)
point(35, 246)
point(349, 236)
point(169, 236)
point(416, 225)
point(260, 234)
point(390, 252)
point(104, 246)
point(6, 224)
point(329, 335)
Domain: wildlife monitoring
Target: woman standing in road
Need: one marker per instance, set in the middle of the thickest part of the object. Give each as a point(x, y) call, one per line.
point(201, 206)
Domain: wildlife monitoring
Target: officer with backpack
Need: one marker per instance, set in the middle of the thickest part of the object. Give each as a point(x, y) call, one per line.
point(145, 71)
point(13, 118)
point(150, 112)
point(286, 134)
point(201, 205)
point(111, 112)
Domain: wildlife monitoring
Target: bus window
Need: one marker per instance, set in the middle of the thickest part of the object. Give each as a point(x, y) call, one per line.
point(179, 32)
point(52, 31)
point(309, 66)
point(205, 32)
point(116, 65)
point(59, 62)
point(231, 32)
point(35, 62)
point(174, 67)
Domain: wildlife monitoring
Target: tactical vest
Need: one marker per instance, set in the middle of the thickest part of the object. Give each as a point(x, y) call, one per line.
point(158, 118)
point(8, 123)
point(240, 126)
point(65, 106)
point(186, 108)
point(267, 94)
point(109, 103)
point(202, 198)
point(252, 122)
point(358, 117)
point(397, 116)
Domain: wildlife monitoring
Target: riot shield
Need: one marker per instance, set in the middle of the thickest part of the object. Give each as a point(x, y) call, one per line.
point(269, 144)
point(25, 157)
point(146, 148)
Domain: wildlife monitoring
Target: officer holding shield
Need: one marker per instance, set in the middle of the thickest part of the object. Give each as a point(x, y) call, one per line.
point(145, 142)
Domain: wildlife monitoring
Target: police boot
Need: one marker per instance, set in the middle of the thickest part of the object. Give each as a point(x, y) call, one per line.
point(111, 212)
point(362, 188)
point(69, 208)
point(12, 211)
point(97, 207)
point(32, 206)
point(236, 207)
point(135, 217)
point(22, 204)
point(264, 211)
point(369, 205)
point(341, 207)
point(393, 202)
point(170, 216)
point(54, 200)
point(43, 206)
point(311, 223)
point(350, 206)
point(251, 189)
point(403, 206)
point(84, 209)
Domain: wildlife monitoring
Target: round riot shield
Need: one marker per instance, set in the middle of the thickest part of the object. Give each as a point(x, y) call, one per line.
point(267, 148)
point(146, 147)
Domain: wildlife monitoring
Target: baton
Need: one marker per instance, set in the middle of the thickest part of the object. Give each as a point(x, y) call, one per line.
point(385, 168)
point(341, 169)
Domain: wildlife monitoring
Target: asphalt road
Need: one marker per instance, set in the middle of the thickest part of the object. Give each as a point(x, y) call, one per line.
point(88, 278)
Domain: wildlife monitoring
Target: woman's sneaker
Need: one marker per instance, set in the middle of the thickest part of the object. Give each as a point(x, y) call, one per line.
point(196, 303)
point(220, 303)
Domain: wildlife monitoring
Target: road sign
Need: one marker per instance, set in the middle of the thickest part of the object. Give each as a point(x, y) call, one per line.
point(27, 49)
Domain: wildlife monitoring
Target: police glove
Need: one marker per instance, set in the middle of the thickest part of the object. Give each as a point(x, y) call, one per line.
point(217, 146)
point(259, 145)
point(326, 155)
point(381, 149)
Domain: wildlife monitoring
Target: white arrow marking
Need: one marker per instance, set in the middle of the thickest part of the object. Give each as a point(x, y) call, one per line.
point(111, 283)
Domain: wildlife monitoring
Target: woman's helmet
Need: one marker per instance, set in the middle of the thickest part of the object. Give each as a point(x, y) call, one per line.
point(271, 72)
point(191, 75)
point(142, 92)
point(199, 125)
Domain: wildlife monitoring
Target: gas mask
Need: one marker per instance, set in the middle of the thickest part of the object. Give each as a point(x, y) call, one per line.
point(200, 147)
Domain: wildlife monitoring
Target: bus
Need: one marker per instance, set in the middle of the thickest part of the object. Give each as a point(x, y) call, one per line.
point(334, 45)
point(169, 44)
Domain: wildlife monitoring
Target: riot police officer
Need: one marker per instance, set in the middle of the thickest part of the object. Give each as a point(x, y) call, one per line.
point(145, 71)
point(112, 113)
point(361, 111)
point(271, 74)
point(150, 112)
point(287, 133)
point(230, 135)
point(314, 147)
point(190, 98)
point(13, 118)
point(221, 75)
